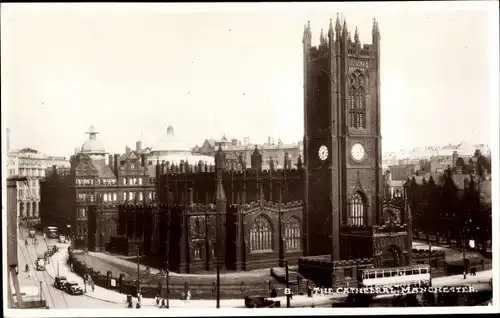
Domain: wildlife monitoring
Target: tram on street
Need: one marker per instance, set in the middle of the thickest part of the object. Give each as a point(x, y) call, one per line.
point(415, 275)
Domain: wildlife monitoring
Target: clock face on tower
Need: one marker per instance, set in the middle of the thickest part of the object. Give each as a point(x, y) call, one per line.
point(357, 152)
point(323, 153)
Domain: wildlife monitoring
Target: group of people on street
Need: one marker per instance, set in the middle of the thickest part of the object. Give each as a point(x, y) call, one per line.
point(34, 241)
point(160, 301)
point(88, 280)
point(129, 300)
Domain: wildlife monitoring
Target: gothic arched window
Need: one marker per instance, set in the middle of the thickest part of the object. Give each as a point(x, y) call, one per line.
point(292, 234)
point(351, 109)
point(356, 216)
point(261, 236)
point(361, 109)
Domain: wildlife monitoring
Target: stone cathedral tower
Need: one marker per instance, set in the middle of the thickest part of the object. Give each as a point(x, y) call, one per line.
point(342, 139)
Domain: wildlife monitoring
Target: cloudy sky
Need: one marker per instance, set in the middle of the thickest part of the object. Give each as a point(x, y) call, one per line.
point(235, 69)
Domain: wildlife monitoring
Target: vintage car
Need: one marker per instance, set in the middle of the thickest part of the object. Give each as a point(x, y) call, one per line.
point(32, 234)
point(260, 302)
point(73, 288)
point(52, 249)
point(40, 263)
point(62, 239)
point(60, 281)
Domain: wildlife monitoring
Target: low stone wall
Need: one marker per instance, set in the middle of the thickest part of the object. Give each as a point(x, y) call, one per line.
point(201, 287)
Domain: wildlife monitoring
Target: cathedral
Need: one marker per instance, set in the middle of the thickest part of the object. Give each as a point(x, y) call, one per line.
point(325, 212)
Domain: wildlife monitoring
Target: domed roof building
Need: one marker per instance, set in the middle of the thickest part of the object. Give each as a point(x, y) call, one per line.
point(93, 147)
point(173, 149)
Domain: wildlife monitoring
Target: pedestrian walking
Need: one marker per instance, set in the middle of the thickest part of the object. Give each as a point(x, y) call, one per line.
point(27, 268)
point(473, 271)
point(157, 299)
point(29, 274)
point(26, 242)
point(163, 305)
point(93, 286)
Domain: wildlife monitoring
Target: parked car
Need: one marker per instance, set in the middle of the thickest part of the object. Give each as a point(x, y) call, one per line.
point(73, 288)
point(260, 302)
point(62, 239)
point(52, 249)
point(59, 282)
point(32, 234)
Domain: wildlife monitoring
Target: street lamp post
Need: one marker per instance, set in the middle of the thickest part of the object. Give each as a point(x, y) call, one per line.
point(430, 265)
point(464, 242)
point(138, 285)
point(167, 282)
point(287, 285)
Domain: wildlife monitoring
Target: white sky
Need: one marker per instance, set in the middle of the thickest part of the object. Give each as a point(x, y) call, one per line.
point(235, 69)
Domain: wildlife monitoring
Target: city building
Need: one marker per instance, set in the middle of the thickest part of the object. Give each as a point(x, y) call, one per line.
point(31, 164)
point(238, 152)
point(94, 183)
point(173, 149)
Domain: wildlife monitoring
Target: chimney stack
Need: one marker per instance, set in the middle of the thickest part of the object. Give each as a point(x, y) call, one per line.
point(127, 149)
point(234, 142)
point(116, 164)
point(110, 162)
point(138, 145)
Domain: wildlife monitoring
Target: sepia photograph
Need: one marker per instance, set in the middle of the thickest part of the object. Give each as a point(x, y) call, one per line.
point(173, 159)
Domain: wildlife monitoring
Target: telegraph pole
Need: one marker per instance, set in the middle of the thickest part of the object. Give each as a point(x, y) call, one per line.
point(168, 287)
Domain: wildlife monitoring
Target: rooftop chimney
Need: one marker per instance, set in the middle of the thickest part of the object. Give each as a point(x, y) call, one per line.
point(234, 142)
point(138, 145)
point(127, 149)
point(110, 162)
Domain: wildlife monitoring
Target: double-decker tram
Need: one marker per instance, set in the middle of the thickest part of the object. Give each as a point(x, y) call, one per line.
point(397, 277)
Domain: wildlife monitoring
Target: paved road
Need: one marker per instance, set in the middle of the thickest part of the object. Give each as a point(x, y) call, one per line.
point(56, 299)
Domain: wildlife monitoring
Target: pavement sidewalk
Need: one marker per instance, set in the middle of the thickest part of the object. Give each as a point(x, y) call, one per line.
point(114, 297)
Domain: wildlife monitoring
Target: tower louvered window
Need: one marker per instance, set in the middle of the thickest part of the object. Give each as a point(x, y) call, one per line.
point(361, 109)
point(350, 105)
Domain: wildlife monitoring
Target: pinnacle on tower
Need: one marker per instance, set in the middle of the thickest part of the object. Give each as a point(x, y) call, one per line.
point(330, 30)
point(337, 23)
point(321, 37)
point(344, 29)
point(356, 35)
